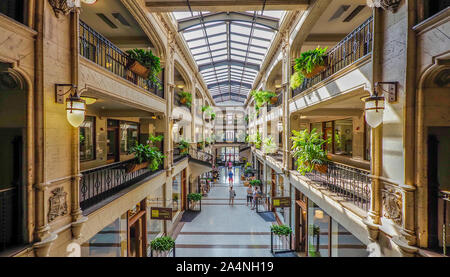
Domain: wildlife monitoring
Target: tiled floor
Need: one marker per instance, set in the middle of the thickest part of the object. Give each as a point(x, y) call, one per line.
point(221, 230)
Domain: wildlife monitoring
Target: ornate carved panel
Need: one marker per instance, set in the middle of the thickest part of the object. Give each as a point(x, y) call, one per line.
point(64, 6)
point(392, 204)
point(57, 204)
point(390, 5)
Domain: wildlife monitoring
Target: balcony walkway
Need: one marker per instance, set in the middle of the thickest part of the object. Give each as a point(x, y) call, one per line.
point(221, 230)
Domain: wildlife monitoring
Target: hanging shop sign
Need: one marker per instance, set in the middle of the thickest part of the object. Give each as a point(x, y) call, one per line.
point(281, 202)
point(161, 213)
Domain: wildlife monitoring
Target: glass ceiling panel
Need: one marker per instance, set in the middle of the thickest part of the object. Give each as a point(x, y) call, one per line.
point(229, 56)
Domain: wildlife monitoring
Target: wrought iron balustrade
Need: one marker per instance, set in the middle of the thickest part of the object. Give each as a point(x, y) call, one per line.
point(102, 182)
point(353, 47)
point(177, 156)
point(200, 155)
point(353, 184)
point(98, 49)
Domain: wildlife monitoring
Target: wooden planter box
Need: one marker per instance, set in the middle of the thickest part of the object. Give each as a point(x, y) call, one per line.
point(137, 68)
point(246, 184)
point(136, 167)
point(316, 69)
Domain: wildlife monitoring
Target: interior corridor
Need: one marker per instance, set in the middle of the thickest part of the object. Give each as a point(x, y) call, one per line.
point(222, 230)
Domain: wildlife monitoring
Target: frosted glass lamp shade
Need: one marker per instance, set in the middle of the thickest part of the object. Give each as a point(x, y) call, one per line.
point(75, 108)
point(374, 110)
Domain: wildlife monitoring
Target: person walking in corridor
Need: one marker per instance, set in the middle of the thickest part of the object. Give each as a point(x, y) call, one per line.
point(232, 195)
point(249, 196)
point(255, 197)
point(230, 178)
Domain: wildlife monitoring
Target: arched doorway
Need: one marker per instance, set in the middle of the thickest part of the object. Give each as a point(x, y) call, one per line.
point(433, 159)
point(13, 129)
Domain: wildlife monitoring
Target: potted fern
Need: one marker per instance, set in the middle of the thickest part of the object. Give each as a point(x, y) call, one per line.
point(269, 147)
point(146, 157)
point(309, 64)
point(309, 151)
point(262, 96)
point(161, 247)
point(184, 147)
point(185, 98)
point(144, 63)
point(209, 113)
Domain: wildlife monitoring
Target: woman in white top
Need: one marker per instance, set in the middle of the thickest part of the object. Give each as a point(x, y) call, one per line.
point(232, 194)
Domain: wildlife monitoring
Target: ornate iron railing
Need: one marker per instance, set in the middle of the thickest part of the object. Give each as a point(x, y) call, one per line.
point(98, 49)
point(102, 182)
point(351, 183)
point(200, 155)
point(353, 47)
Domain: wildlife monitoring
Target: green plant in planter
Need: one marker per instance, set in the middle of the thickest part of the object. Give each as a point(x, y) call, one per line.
point(147, 153)
point(195, 197)
point(281, 230)
point(261, 97)
point(164, 243)
point(209, 112)
point(82, 138)
point(246, 118)
point(185, 98)
point(296, 80)
point(308, 150)
point(153, 139)
point(309, 59)
point(200, 145)
point(255, 183)
point(269, 146)
point(184, 147)
point(147, 59)
point(258, 141)
point(305, 65)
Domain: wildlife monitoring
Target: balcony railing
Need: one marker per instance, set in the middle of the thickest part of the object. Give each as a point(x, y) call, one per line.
point(102, 182)
point(352, 184)
point(200, 155)
point(353, 47)
point(98, 49)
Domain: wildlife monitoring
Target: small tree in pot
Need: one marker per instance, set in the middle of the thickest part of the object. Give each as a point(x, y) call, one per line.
point(193, 199)
point(161, 247)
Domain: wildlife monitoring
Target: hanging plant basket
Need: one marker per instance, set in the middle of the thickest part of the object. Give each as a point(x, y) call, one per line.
point(183, 100)
point(136, 167)
point(316, 69)
point(322, 168)
point(137, 68)
point(274, 100)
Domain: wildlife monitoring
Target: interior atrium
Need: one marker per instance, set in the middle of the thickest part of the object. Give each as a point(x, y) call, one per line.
point(223, 128)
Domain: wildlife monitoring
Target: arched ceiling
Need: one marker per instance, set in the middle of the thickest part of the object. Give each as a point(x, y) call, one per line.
point(229, 48)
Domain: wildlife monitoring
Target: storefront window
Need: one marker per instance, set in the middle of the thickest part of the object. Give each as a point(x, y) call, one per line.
point(128, 136)
point(343, 139)
point(329, 134)
point(109, 242)
point(345, 244)
point(87, 139)
point(14, 9)
point(317, 126)
point(318, 231)
point(176, 193)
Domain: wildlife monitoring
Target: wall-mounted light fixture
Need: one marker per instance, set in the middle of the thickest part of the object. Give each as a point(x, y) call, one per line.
point(374, 104)
point(75, 106)
point(89, 2)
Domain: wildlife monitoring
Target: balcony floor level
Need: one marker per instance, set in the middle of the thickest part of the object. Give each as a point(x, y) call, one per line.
point(222, 230)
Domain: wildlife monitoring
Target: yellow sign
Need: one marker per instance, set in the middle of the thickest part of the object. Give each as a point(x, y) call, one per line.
point(155, 213)
point(276, 202)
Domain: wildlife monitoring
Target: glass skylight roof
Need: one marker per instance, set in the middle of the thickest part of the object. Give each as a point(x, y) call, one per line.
point(229, 48)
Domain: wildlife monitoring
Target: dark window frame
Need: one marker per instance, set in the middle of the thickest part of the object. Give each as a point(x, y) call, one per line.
point(94, 140)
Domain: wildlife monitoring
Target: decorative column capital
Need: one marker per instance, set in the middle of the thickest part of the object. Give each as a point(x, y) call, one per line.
point(64, 7)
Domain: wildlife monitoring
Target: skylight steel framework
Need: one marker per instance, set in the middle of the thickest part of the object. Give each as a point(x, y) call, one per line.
point(228, 48)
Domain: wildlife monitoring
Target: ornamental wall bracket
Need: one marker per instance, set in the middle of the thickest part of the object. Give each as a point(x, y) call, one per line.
point(57, 204)
point(392, 205)
point(390, 5)
point(64, 7)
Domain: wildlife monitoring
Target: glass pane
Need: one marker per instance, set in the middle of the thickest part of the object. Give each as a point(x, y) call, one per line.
point(318, 231)
point(87, 135)
point(343, 138)
point(345, 244)
point(128, 136)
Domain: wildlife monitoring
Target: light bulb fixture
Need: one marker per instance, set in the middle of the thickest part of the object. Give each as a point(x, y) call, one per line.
point(89, 2)
point(318, 214)
point(89, 100)
point(375, 103)
point(75, 106)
